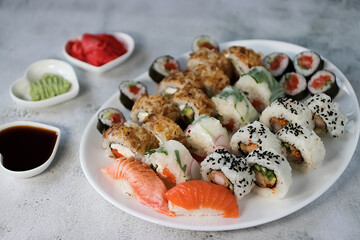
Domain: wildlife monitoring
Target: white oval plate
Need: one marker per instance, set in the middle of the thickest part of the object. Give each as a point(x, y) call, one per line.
point(122, 37)
point(254, 210)
point(19, 91)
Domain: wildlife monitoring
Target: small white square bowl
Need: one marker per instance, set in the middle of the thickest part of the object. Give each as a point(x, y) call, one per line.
point(20, 90)
point(126, 39)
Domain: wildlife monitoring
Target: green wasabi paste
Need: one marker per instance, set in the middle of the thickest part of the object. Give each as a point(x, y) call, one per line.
point(48, 86)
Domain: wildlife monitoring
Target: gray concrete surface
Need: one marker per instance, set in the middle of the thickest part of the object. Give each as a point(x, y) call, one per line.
point(60, 203)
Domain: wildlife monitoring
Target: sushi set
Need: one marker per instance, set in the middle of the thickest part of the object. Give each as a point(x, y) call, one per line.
point(257, 144)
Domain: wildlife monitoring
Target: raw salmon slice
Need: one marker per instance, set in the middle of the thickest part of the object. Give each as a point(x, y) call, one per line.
point(150, 190)
point(197, 194)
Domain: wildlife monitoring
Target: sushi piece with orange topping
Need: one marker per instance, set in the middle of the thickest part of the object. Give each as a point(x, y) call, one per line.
point(140, 181)
point(200, 198)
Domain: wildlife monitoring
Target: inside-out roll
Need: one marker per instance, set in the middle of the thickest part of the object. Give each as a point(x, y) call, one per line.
point(260, 87)
point(304, 148)
point(205, 135)
point(173, 163)
point(153, 105)
point(233, 108)
point(228, 170)
point(253, 136)
point(328, 117)
point(272, 173)
point(285, 111)
point(128, 140)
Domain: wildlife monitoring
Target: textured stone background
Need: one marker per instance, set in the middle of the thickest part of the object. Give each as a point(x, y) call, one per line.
point(60, 203)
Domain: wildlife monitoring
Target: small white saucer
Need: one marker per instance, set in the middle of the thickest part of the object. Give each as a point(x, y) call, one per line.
point(123, 37)
point(19, 91)
point(41, 168)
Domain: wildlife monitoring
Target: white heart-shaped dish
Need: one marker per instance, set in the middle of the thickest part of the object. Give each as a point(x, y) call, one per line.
point(36, 170)
point(126, 39)
point(19, 91)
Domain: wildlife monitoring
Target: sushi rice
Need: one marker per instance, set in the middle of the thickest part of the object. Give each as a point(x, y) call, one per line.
point(228, 170)
point(173, 163)
point(309, 144)
point(271, 160)
point(253, 136)
point(205, 135)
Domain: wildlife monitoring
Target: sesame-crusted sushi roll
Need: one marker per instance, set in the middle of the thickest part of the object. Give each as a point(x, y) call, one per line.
point(176, 81)
point(253, 136)
point(149, 105)
point(327, 115)
point(278, 64)
point(205, 135)
point(260, 87)
point(272, 173)
point(162, 67)
point(130, 91)
point(242, 59)
point(173, 163)
point(209, 57)
point(307, 63)
point(228, 170)
point(128, 140)
point(192, 103)
point(304, 148)
point(204, 41)
point(234, 109)
point(284, 111)
point(165, 129)
point(213, 78)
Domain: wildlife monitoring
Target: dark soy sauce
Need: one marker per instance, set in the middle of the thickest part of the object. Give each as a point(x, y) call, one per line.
point(26, 147)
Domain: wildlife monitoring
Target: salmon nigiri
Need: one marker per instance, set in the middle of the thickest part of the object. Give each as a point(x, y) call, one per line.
point(202, 198)
point(148, 187)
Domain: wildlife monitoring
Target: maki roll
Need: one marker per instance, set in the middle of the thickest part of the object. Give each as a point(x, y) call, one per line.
point(192, 103)
point(149, 105)
point(234, 109)
point(253, 136)
point(285, 111)
point(323, 82)
point(242, 59)
point(128, 140)
point(130, 91)
point(165, 129)
point(328, 117)
point(228, 170)
point(278, 64)
point(108, 117)
point(176, 81)
point(173, 163)
point(213, 78)
point(294, 85)
point(209, 57)
point(204, 41)
point(260, 87)
point(272, 173)
point(163, 66)
point(304, 148)
point(205, 135)
point(307, 63)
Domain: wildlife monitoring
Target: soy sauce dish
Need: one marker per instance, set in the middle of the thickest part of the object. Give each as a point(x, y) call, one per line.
point(27, 148)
